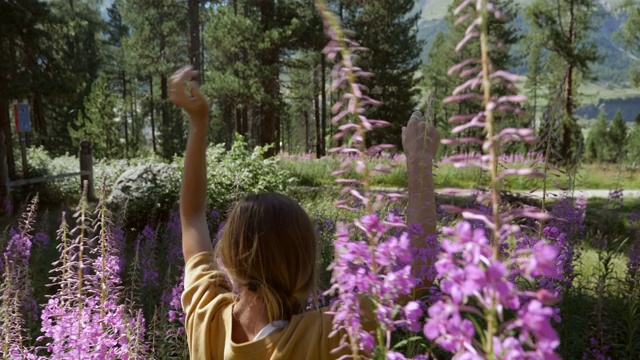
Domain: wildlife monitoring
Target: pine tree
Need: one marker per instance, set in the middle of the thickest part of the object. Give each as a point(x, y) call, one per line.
point(597, 144)
point(436, 82)
point(630, 37)
point(536, 66)
point(442, 56)
point(233, 71)
point(76, 30)
point(97, 123)
point(117, 32)
point(565, 29)
point(617, 137)
point(632, 147)
point(387, 28)
point(21, 42)
point(156, 48)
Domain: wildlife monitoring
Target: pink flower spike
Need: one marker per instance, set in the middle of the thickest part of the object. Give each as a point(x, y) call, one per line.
point(351, 151)
point(348, 181)
point(357, 194)
point(462, 19)
point(477, 216)
point(460, 98)
point(507, 76)
point(470, 71)
point(465, 40)
point(473, 25)
point(472, 83)
point(463, 140)
point(456, 68)
point(513, 99)
point(461, 7)
point(461, 118)
point(365, 123)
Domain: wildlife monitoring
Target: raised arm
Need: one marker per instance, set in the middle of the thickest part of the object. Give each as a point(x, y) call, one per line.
point(193, 192)
point(420, 148)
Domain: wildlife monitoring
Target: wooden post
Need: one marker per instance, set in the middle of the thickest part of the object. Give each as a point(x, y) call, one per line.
point(5, 198)
point(86, 169)
point(23, 152)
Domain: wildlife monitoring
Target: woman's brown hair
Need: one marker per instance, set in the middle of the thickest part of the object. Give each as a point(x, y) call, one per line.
point(268, 244)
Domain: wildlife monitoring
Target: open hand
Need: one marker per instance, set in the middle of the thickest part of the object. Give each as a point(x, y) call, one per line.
point(189, 98)
point(417, 144)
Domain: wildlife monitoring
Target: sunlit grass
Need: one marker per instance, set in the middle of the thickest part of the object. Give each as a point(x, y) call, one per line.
point(317, 172)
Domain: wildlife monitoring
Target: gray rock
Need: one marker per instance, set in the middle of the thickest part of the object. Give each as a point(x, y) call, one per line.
point(145, 187)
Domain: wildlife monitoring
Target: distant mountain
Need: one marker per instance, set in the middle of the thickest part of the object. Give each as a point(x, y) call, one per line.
point(612, 71)
point(615, 60)
point(437, 9)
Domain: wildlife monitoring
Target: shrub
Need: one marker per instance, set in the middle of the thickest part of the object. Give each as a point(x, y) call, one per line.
point(240, 171)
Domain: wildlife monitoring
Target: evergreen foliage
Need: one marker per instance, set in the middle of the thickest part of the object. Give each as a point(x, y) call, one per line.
point(631, 37)
point(387, 28)
point(632, 146)
point(443, 55)
point(564, 30)
point(97, 122)
point(617, 137)
point(598, 147)
point(263, 68)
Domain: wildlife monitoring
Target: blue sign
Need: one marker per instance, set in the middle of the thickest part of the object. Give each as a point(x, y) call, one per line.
point(21, 112)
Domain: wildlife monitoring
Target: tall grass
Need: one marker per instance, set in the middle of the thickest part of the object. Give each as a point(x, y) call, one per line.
point(317, 172)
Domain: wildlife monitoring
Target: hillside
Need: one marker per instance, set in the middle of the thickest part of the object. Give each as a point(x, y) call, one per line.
point(610, 91)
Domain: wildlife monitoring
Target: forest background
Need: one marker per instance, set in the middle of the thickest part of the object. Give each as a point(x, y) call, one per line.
point(98, 70)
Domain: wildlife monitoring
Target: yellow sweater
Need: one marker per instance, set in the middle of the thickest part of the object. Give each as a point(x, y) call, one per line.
point(207, 302)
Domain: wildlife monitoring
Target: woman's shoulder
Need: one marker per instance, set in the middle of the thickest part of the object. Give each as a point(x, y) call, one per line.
point(320, 319)
point(311, 335)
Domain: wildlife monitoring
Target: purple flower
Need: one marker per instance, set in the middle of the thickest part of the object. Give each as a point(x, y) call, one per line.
point(41, 239)
point(468, 269)
point(534, 320)
point(381, 272)
point(392, 355)
point(413, 313)
point(634, 253)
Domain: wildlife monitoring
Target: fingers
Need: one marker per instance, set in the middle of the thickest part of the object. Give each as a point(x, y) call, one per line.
point(403, 136)
point(414, 120)
point(194, 87)
point(177, 93)
point(180, 76)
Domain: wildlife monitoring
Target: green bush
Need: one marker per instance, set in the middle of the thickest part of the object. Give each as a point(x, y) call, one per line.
point(231, 174)
point(41, 164)
point(240, 171)
point(67, 190)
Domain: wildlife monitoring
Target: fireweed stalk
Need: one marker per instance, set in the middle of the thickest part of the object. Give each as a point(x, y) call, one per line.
point(86, 318)
point(372, 266)
point(476, 283)
point(16, 292)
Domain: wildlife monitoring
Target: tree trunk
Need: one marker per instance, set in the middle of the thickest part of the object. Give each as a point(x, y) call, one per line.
point(227, 119)
point(164, 101)
point(244, 121)
point(239, 121)
point(37, 106)
point(39, 119)
point(566, 128)
point(193, 11)
point(268, 59)
point(153, 122)
point(136, 126)
point(307, 146)
point(5, 123)
point(323, 106)
point(316, 106)
point(124, 114)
